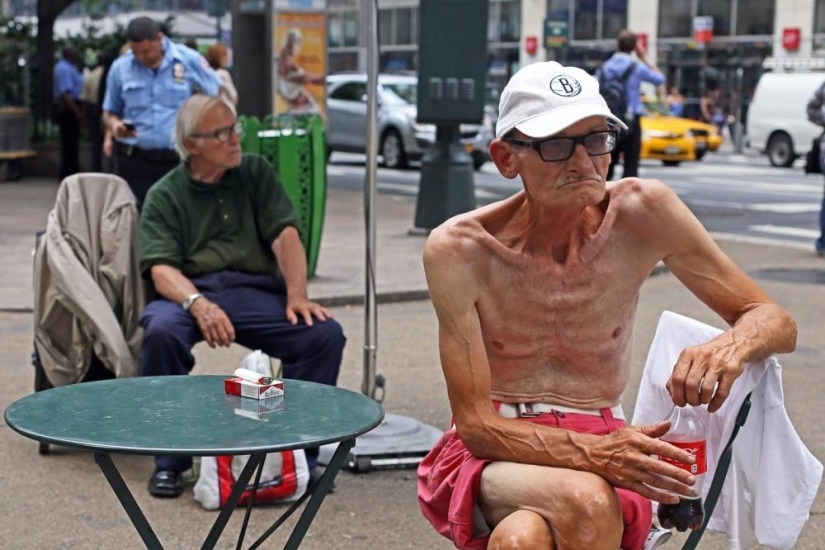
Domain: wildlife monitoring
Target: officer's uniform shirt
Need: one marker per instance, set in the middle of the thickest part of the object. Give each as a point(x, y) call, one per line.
point(66, 79)
point(151, 98)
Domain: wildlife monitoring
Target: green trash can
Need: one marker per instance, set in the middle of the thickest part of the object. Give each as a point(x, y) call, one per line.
point(296, 147)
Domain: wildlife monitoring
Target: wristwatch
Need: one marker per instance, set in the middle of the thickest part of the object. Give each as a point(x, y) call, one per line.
point(191, 300)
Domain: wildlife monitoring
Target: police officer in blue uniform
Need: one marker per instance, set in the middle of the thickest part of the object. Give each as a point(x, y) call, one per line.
point(67, 83)
point(144, 90)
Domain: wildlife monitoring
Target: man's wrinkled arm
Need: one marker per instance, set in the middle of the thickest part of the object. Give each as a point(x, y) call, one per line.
point(758, 326)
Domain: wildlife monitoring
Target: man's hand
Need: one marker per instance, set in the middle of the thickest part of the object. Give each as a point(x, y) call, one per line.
point(108, 145)
point(119, 130)
point(699, 370)
point(300, 305)
point(216, 327)
point(623, 459)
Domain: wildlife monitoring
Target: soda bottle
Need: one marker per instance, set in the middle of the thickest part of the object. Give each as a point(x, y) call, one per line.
point(688, 433)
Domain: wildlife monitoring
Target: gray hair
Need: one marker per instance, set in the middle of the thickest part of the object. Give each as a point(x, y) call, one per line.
point(190, 115)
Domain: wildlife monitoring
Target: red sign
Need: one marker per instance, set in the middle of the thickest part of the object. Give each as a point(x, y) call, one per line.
point(703, 29)
point(791, 38)
point(641, 39)
point(531, 45)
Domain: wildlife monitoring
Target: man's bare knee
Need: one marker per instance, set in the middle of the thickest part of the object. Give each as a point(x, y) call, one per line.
point(594, 517)
point(522, 530)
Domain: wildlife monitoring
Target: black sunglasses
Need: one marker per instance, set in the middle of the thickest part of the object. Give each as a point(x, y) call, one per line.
point(557, 149)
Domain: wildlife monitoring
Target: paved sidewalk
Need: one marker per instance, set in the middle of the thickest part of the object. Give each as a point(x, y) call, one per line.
point(340, 277)
point(67, 492)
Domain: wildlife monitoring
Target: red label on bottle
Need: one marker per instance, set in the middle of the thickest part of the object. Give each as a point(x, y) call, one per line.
point(697, 449)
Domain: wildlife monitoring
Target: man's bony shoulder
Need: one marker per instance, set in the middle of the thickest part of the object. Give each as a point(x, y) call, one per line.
point(457, 237)
point(642, 202)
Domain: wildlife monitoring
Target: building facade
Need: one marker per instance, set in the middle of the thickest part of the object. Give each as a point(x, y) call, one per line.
point(744, 33)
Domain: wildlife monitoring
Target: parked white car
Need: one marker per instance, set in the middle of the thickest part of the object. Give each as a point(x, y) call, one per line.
point(400, 137)
point(777, 121)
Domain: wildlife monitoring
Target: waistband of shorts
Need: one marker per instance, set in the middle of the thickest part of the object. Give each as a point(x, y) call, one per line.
point(521, 410)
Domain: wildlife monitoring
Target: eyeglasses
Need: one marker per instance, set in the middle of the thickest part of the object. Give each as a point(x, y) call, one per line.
point(223, 134)
point(562, 148)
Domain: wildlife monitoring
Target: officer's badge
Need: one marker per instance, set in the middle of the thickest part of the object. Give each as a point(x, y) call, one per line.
point(177, 72)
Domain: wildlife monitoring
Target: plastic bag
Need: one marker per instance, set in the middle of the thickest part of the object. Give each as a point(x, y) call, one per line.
point(284, 478)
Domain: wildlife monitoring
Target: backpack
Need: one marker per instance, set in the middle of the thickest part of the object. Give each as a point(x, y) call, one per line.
point(614, 92)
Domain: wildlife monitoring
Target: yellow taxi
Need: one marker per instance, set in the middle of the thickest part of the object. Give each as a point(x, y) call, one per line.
point(667, 135)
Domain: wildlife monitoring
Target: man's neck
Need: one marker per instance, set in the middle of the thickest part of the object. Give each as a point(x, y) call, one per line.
point(205, 173)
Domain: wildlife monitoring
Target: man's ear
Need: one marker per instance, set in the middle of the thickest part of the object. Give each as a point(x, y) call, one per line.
point(504, 156)
point(191, 145)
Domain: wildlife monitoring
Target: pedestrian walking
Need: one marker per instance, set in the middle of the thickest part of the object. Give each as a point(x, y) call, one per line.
point(619, 66)
point(218, 58)
point(815, 115)
point(144, 90)
point(68, 82)
point(93, 111)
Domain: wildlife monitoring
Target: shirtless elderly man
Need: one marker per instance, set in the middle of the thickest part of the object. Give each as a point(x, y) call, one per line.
point(536, 297)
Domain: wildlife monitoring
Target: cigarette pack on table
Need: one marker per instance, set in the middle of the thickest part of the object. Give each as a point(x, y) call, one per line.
point(246, 388)
point(258, 409)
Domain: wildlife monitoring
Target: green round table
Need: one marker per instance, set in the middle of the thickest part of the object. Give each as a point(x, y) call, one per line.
point(192, 416)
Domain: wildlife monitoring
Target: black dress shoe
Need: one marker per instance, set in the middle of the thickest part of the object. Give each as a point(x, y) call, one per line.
point(166, 484)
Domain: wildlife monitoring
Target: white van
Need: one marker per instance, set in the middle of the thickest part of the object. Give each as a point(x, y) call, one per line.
point(777, 120)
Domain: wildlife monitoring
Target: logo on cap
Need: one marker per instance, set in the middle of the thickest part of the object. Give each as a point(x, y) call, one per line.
point(565, 86)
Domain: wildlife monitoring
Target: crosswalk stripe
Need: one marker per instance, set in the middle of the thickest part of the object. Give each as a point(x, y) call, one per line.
point(735, 237)
point(782, 230)
point(778, 207)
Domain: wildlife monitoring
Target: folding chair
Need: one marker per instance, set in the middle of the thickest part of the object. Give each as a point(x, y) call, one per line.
point(88, 293)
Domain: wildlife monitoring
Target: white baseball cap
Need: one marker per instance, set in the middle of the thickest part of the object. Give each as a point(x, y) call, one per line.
point(544, 98)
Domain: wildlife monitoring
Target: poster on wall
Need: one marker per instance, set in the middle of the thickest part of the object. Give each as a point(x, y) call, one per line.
point(300, 46)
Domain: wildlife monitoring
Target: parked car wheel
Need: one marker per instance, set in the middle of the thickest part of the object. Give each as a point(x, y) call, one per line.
point(392, 149)
point(671, 162)
point(780, 150)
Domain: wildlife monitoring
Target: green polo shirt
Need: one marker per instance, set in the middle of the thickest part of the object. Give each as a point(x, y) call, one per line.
point(203, 228)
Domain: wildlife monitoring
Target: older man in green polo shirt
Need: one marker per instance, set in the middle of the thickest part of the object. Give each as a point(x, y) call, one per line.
point(219, 239)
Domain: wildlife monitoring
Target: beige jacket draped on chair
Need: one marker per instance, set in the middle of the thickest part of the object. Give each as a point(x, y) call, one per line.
point(88, 293)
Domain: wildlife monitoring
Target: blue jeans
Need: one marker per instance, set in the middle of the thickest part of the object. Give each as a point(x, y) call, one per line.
point(256, 306)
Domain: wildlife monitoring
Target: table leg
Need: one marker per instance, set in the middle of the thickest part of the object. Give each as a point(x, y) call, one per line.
point(321, 489)
point(226, 512)
point(128, 501)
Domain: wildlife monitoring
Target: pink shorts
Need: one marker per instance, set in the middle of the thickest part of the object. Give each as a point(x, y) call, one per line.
point(449, 478)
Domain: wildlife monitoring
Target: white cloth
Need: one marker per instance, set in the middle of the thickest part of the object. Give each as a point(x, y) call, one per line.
point(773, 478)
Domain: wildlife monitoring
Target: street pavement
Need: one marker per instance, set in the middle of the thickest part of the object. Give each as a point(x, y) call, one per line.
point(63, 501)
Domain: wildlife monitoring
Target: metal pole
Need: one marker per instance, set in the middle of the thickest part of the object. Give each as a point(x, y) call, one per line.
point(370, 324)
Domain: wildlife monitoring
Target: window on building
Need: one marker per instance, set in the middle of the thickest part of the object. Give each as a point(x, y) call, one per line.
point(351, 29)
point(584, 27)
point(385, 27)
point(720, 10)
point(398, 27)
point(614, 17)
point(405, 25)
point(819, 17)
point(510, 21)
point(756, 17)
point(335, 38)
point(558, 10)
point(675, 19)
point(192, 5)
